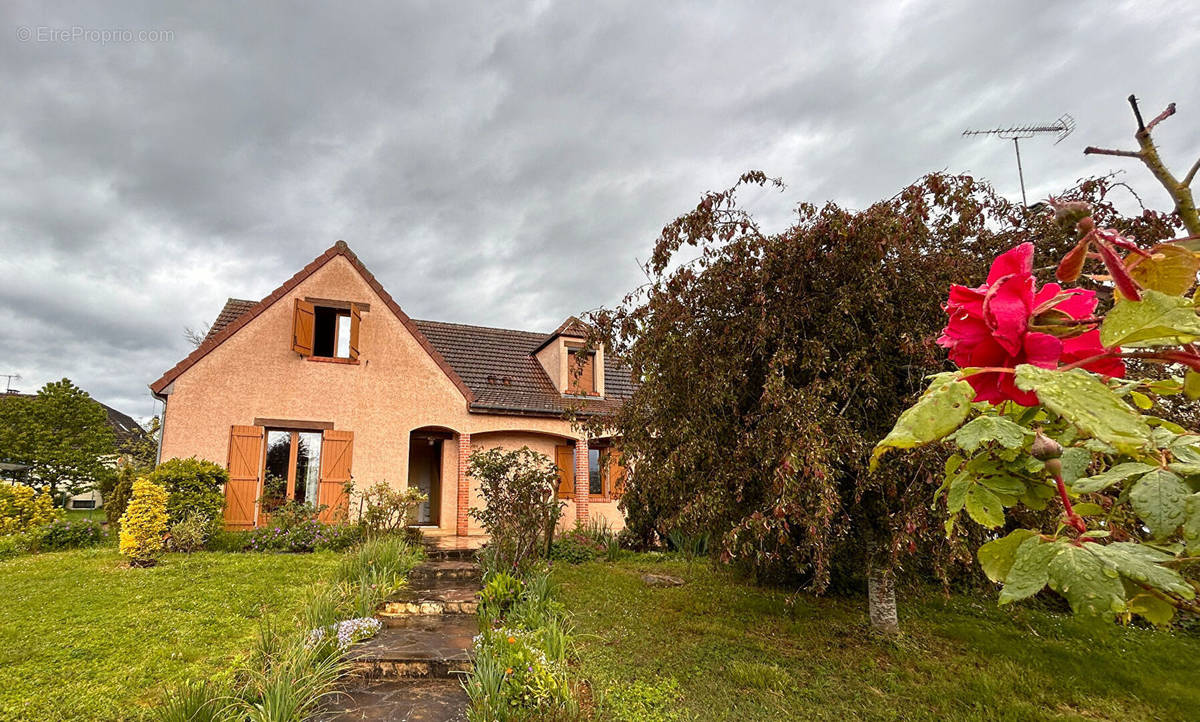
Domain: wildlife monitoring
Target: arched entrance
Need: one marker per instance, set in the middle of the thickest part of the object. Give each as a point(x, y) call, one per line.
point(425, 447)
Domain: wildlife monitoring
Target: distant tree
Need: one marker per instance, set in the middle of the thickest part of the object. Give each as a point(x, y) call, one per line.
point(62, 434)
point(195, 336)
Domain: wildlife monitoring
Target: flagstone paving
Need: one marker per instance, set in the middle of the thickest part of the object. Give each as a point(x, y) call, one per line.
point(411, 670)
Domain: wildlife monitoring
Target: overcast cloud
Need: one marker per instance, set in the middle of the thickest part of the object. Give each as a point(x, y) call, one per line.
point(499, 163)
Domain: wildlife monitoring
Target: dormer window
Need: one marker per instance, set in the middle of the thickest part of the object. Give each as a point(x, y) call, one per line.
point(326, 332)
point(581, 372)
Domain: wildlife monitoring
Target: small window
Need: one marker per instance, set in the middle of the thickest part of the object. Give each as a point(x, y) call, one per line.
point(581, 373)
point(325, 331)
point(595, 473)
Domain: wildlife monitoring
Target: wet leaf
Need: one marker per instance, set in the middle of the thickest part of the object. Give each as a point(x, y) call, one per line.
point(1168, 269)
point(1092, 587)
point(1159, 498)
point(1191, 524)
point(1156, 320)
point(1116, 474)
point(990, 428)
point(940, 410)
point(1084, 401)
point(984, 506)
point(1141, 564)
point(1029, 571)
point(997, 557)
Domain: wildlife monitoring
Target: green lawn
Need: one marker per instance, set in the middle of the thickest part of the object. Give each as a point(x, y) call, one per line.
point(84, 637)
point(80, 514)
point(718, 649)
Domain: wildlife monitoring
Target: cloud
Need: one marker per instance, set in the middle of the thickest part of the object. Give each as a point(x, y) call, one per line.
point(499, 163)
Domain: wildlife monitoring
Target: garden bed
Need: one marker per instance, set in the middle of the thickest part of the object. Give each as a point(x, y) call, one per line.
point(82, 636)
point(718, 649)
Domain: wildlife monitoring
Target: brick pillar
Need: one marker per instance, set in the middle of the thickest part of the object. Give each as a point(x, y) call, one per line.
point(581, 481)
point(464, 484)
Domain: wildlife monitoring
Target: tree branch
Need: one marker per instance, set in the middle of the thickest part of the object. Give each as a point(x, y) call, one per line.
point(1187, 179)
point(1137, 113)
point(1093, 150)
point(1161, 117)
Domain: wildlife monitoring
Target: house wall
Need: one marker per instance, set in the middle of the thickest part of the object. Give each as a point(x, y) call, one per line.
point(395, 388)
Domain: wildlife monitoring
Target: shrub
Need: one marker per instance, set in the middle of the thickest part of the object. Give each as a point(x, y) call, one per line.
point(72, 534)
point(384, 510)
point(193, 485)
point(222, 540)
point(116, 494)
point(23, 510)
point(191, 534)
point(498, 596)
point(12, 545)
point(520, 504)
point(571, 550)
point(295, 528)
point(144, 524)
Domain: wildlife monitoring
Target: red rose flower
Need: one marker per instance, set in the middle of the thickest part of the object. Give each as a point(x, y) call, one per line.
point(990, 326)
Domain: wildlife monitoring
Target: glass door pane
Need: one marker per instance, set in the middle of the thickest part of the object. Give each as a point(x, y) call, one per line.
point(308, 466)
point(275, 480)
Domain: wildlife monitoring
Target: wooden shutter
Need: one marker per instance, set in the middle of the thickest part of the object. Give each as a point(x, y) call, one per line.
point(564, 458)
point(303, 323)
point(245, 476)
point(355, 322)
point(616, 474)
point(337, 451)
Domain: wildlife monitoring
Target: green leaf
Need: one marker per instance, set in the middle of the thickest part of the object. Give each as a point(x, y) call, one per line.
point(1029, 571)
point(1084, 401)
point(1089, 509)
point(1169, 268)
point(1166, 387)
point(1075, 462)
point(1191, 385)
point(1140, 400)
point(956, 497)
point(941, 409)
point(1116, 474)
point(1156, 320)
point(1092, 587)
point(1191, 524)
point(1159, 498)
point(990, 428)
point(997, 556)
point(1141, 564)
point(1152, 609)
point(984, 506)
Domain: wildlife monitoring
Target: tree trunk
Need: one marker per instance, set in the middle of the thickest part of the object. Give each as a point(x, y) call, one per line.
point(881, 595)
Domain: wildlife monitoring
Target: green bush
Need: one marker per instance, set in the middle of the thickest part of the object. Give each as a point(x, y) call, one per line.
point(191, 534)
point(295, 528)
point(13, 545)
point(116, 492)
point(222, 540)
point(72, 534)
point(499, 594)
point(193, 485)
point(144, 524)
point(384, 510)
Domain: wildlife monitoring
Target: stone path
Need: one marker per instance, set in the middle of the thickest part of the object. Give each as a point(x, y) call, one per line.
point(411, 670)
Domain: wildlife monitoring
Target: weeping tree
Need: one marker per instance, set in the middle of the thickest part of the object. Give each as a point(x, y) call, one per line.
point(770, 364)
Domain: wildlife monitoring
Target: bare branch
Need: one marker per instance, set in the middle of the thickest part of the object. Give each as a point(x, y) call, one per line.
point(1137, 113)
point(1161, 117)
point(1093, 150)
point(1187, 179)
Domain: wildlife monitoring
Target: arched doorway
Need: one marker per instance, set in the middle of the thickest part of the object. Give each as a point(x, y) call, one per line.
point(425, 470)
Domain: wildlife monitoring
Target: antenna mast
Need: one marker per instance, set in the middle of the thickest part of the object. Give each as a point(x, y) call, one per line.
point(8, 389)
point(1061, 127)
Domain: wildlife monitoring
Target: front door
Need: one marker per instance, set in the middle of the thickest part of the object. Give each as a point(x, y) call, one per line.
point(425, 474)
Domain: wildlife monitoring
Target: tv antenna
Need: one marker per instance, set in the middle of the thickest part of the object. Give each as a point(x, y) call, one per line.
point(1016, 133)
point(8, 389)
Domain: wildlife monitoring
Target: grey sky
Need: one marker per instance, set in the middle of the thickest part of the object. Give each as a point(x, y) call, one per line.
point(499, 163)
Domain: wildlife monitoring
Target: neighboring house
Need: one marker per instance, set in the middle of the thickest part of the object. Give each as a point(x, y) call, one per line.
point(326, 380)
point(124, 428)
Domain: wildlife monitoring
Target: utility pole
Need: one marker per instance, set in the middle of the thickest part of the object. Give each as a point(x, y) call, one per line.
point(1061, 127)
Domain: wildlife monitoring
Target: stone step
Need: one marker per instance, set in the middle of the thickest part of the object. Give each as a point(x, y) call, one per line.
point(408, 700)
point(434, 596)
point(419, 646)
point(434, 553)
point(445, 569)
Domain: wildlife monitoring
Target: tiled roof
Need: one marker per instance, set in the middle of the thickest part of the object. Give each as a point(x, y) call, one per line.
point(498, 365)
point(234, 307)
point(494, 367)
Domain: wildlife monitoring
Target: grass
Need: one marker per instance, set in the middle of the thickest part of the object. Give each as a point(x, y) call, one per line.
point(81, 514)
point(84, 637)
point(719, 649)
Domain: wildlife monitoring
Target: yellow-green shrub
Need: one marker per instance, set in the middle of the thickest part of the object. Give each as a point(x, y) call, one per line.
point(144, 524)
point(22, 509)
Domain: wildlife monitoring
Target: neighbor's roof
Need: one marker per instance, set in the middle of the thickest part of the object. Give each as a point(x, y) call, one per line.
point(123, 425)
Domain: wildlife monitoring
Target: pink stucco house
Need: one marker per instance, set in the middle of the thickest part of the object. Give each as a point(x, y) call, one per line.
point(327, 380)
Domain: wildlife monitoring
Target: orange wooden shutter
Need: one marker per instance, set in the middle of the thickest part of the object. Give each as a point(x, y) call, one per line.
point(245, 469)
point(337, 451)
point(355, 322)
point(616, 473)
point(303, 322)
point(587, 381)
point(564, 458)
